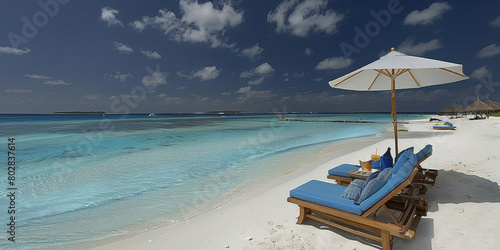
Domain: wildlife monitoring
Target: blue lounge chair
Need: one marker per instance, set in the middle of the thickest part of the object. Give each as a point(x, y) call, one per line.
point(323, 202)
point(424, 176)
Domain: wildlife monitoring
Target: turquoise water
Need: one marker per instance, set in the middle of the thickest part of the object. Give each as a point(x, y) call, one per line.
point(85, 178)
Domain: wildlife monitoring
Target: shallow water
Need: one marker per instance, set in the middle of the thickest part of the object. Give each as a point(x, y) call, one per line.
point(84, 178)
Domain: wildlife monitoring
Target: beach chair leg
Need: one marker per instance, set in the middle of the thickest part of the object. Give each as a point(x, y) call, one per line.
point(302, 216)
point(386, 240)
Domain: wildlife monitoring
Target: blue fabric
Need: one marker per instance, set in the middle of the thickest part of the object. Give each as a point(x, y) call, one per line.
point(407, 167)
point(384, 174)
point(330, 195)
point(372, 176)
point(354, 189)
point(401, 158)
point(386, 159)
point(369, 189)
point(373, 184)
point(325, 194)
point(393, 181)
point(342, 170)
point(425, 151)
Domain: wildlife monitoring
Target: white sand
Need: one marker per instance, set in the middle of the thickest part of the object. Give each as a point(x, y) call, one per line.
point(464, 205)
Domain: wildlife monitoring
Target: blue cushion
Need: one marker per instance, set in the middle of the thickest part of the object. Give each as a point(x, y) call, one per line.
point(401, 153)
point(384, 174)
point(342, 170)
point(354, 189)
point(401, 158)
point(393, 181)
point(372, 176)
point(325, 194)
point(373, 184)
point(407, 167)
point(425, 151)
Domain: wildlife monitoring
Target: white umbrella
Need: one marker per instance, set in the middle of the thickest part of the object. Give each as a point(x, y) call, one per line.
point(399, 71)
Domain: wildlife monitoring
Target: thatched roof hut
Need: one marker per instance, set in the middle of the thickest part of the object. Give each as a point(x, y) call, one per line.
point(479, 107)
point(493, 104)
point(453, 109)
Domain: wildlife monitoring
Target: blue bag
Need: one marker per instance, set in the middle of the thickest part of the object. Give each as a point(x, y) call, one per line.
point(386, 159)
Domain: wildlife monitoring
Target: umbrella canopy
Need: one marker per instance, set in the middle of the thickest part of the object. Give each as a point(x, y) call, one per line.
point(493, 104)
point(399, 71)
point(478, 106)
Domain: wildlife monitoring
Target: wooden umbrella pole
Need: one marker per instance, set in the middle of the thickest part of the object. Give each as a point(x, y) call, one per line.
point(393, 113)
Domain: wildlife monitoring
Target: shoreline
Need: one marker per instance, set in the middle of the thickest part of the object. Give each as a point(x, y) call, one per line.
point(463, 201)
point(253, 189)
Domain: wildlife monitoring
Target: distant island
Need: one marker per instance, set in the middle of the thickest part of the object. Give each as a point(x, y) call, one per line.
point(224, 112)
point(80, 113)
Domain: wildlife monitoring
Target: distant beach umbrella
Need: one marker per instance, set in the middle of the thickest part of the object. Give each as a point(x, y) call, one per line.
point(399, 71)
point(493, 104)
point(478, 107)
point(453, 109)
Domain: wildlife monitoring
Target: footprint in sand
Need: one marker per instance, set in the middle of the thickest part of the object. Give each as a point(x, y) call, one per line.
point(280, 227)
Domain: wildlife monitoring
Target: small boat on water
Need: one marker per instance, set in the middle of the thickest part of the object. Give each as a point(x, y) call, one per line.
point(151, 114)
point(444, 126)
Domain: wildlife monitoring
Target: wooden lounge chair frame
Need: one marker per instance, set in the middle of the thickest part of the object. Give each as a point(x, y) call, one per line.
point(366, 224)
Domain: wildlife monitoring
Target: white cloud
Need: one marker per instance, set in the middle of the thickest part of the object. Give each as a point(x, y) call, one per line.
point(122, 48)
point(14, 51)
point(255, 95)
point(427, 16)
point(47, 80)
point(481, 73)
point(420, 49)
point(56, 82)
point(92, 97)
point(247, 94)
point(262, 70)
point(308, 52)
point(334, 63)
point(490, 50)
point(138, 25)
point(108, 15)
point(302, 17)
point(171, 99)
point(19, 91)
point(256, 81)
point(252, 52)
point(205, 74)
point(496, 22)
point(154, 79)
point(151, 54)
point(122, 77)
point(37, 77)
point(244, 90)
point(198, 23)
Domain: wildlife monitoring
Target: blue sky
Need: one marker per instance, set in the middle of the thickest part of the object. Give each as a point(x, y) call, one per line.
point(256, 56)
